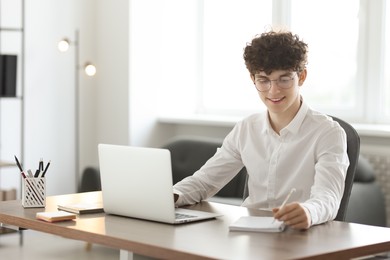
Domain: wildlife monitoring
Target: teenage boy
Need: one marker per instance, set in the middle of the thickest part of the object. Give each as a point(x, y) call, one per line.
point(289, 146)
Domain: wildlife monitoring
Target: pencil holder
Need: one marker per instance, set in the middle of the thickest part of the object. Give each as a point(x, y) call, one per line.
point(34, 192)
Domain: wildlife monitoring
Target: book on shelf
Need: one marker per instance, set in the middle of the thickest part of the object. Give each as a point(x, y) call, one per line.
point(8, 71)
point(82, 208)
point(55, 216)
point(257, 224)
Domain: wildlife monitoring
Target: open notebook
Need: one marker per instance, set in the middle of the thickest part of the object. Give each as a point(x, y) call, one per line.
point(137, 182)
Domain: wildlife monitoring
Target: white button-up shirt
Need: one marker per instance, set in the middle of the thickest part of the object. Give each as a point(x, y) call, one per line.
point(308, 155)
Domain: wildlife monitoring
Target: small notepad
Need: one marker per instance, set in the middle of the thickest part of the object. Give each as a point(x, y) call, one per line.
point(55, 216)
point(257, 224)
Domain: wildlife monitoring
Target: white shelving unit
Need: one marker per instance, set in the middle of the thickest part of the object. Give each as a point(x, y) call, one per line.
point(12, 108)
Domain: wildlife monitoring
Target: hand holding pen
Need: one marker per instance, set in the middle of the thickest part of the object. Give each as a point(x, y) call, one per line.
point(285, 201)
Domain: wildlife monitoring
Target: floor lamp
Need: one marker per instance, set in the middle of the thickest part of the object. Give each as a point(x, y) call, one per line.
point(90, 70)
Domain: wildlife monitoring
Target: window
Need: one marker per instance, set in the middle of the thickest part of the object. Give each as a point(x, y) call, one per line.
point(346, 63)
point(332, 83)
point(227, 26)
point(197, 46)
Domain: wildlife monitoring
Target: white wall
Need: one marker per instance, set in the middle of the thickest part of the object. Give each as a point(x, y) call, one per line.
point(155, 87)
point(50, 84)
point(49, 91)
point(123, 102)
point(50, 88)
point(112, 89)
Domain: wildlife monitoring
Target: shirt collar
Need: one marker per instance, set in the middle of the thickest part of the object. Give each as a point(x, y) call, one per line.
point(293, 126)
point(260, 122)
point(267, 126)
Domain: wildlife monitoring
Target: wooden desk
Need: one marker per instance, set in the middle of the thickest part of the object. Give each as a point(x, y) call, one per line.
point(204, 240)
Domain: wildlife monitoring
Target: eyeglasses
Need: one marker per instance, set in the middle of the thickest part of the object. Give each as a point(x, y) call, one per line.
point(283, 82)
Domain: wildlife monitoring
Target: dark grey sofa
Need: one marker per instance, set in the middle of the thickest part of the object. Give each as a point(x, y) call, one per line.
point(367, 203)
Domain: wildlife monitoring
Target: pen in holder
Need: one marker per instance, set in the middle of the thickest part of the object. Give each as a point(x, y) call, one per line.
point(33, 186)
point(33, 192)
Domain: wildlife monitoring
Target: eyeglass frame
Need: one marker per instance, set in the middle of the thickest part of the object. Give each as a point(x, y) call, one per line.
point(277, 81)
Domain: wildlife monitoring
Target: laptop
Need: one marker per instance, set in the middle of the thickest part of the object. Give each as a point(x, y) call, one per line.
point(137, 183)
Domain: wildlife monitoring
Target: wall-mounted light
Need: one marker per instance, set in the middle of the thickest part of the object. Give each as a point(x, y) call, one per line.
point(63, 45)
point(90, 70)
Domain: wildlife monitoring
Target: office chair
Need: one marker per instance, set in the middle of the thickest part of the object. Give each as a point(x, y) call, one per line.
point(90, 180)
point(353, 150)
point(189, 154)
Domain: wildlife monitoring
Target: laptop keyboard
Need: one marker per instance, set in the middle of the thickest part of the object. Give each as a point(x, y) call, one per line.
point(182, 216)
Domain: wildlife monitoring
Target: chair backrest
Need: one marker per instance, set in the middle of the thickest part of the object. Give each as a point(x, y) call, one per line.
point(90, 180)
point(353, 150)
point(189, 154)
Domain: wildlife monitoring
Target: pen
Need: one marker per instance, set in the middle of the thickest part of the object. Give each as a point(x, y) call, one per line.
point(47, 166)
point(20, 167)
point(30, 174)
point(23, 175)
point(40, 168)
point(18, 163)
point(285, 200)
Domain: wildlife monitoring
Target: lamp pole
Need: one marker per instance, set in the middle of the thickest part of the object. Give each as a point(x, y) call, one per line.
point(89, 70)
point(76, 100)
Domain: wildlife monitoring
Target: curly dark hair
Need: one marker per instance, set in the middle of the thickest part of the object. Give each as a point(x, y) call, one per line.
point(272, 51)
